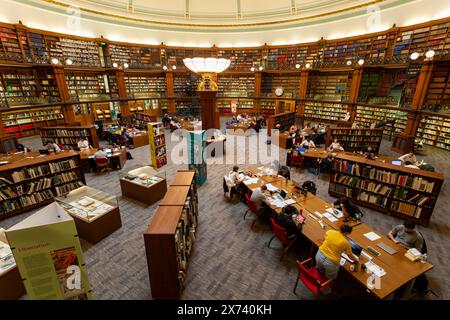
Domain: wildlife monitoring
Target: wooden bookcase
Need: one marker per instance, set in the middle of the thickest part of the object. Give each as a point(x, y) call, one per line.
point(102, 111)
point(435, 131)
point(329, 86)
point(68, 136)
point(284, 119)
point(410, 194)
point(170, 237)
point(158, 149)
point(367, 115)
point(146, 85)
point(325, 111)
point(29, 181)
point(26, 122)
point(236, 85)
point(142, 119)
point(355, 139)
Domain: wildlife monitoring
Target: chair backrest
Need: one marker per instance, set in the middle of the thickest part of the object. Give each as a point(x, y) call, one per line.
point(308, 277)
point(251, 204)
point(424, 245)
point(101, 161)
point(279, 231)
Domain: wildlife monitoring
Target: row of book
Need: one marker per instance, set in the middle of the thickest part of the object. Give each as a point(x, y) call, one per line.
point(407, 209)
point(35, 198)
point(342, 190)
point(372, 198)
point(65, 132)
point(412, 197)
point(30, 173)
point(62, 165)
point(66, 188)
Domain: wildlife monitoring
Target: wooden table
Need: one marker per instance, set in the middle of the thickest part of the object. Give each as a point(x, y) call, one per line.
point(241, 129)
point(139, 140)
point(399, 270)
point(118, 159)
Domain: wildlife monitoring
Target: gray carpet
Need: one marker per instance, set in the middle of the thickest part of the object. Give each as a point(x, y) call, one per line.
point(229, 260)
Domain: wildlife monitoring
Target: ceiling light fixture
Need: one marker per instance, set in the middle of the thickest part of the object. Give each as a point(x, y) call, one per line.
point(174, 67)
point(55, 61)
point(69, 62)
point(208, 68)
point(361, 62)
point(297, 66)
point(308, 65)
point(252, 69)
point(115, 65)
point(260, 68)
point(414, 56)
point(430, 54)
point(125, 65)
point(349, 62)
point(165, 68)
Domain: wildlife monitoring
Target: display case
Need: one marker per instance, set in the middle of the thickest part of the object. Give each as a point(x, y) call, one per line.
point(143, 183)
point(10, 280)
point(96, 213)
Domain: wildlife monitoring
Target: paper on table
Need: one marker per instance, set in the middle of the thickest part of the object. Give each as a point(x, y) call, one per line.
point(277, 203)
point(342, 262)
point(260, 168)
point(251, 181)
point(271, 188)
point(332, 219)
point(335, 212)
point(372, 236)
point(289, 201)
point(372, 267)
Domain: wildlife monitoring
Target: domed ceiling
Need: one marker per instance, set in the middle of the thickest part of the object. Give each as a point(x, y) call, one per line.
point(220, 22)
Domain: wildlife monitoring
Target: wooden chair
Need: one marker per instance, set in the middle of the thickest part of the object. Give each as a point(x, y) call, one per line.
point(313, 280)
point(102, 164)
point(280, 233)
point(253, 207)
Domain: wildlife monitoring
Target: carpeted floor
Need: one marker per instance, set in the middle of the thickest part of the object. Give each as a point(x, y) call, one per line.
point(229, 260)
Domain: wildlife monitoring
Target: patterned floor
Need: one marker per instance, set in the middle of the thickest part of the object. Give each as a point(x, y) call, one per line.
point(229, 260)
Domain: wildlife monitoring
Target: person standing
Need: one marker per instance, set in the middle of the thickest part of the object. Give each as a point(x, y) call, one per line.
point(329, 254)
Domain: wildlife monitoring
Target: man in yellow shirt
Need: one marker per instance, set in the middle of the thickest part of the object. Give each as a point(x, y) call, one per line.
point(329, 254)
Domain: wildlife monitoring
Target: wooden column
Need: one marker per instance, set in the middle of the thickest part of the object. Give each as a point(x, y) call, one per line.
point(404, 142)
point(2, 128)
point(354, 92)
point(302, 89)
point(257, 92)
point(122, 90)
point(210, 114)
point(60, 77)
point(171, 107)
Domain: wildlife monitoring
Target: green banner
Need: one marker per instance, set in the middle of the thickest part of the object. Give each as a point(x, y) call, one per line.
point(49, 257)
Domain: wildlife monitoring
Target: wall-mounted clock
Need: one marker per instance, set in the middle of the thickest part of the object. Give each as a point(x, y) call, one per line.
point(279, 91)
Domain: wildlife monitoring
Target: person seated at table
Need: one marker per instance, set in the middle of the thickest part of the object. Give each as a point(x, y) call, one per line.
point(100, 153)
point(53, 147)
point(408, 157)
point(83, 143)
point(307, 129)
point(407, 236)
point(328, 256)
point(315, 136)
point(325, 164)
point(348, 208)
point(307, 143)
point(234, 176)
point(258, 196)
point(335, 146)
point(239, 118)
point(285, 220)
point(409, 164)
point(21, 148)
point(292, 129)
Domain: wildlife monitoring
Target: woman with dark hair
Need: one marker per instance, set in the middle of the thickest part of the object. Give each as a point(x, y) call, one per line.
point(285, 220)
point(349, 209)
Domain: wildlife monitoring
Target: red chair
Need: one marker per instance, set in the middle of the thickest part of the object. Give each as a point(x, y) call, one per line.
point(280, 233)
point(296, 160)
point(102, 164)
point(253, 207)
point(313, 280)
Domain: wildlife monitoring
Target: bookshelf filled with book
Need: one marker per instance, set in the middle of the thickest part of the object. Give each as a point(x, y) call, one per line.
point(435, 131)
point(185, 84)
point(284, 120)
point(242, 104)
point(174, 56)
point(137, 57)
point(231, 85)
point(286, 58)
point(158, 149)
point(170, 237)
point(26, 122)
point(326, 111)
point(146, 86)
point(142, 119)
point(102, 111)
point(366, 116)
point(68, 136)
point(408, 193)
point(242, 59)
point(438, 93)
point(355, 139)
point(9, 45)
point(329, 86)
point(187, 107)
point(87, 86)
point(30, 180)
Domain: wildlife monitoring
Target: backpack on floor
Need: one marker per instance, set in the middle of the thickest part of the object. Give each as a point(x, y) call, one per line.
point(129, 157)
point(310, 186)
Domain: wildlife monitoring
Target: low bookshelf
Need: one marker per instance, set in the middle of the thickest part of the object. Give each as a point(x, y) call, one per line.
point(68, 136)
point(142, 119)
point(285, 120)
point(30, 180)
point(355, 139)
point(170, 237)
point(408, 193)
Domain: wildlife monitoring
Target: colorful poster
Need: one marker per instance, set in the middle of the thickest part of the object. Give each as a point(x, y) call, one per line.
point(49, 257)
point(196, 147)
